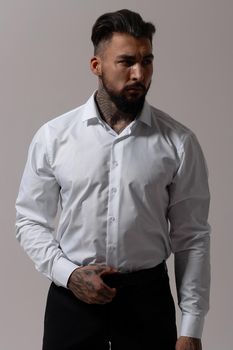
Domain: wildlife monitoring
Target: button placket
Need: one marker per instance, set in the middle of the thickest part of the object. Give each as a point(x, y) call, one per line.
point(113, 203)
point(113, 190)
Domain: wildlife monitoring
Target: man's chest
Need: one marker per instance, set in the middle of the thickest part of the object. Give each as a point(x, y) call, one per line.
point(143, 163)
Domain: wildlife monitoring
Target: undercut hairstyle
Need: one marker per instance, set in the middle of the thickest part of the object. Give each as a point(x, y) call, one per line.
point(122, 21)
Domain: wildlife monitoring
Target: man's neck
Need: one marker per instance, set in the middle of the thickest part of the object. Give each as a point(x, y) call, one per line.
point(118, 120)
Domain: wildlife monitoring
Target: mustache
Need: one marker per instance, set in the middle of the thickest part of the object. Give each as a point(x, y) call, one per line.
point(136, 86)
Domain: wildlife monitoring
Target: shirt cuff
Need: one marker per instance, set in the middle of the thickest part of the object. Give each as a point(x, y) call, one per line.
point(192, 326)
point(62, 270)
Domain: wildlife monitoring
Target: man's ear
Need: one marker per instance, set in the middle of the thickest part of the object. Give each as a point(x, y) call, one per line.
point(95, 65)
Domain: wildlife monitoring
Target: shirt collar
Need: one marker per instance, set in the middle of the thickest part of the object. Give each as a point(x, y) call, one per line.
point(90, 109)
point(145, 114)
point(91, 112)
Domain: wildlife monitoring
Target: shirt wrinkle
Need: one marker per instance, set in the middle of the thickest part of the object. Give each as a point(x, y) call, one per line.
point(141, 189)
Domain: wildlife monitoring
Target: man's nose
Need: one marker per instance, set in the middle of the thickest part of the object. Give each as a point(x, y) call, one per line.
point(137, 72)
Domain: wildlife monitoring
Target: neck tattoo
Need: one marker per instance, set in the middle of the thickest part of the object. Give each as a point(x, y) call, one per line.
point(109, 112)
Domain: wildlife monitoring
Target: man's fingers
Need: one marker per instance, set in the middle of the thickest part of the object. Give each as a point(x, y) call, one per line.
point(108, 271)
point(105, 270)
point(87, 284)
point(108, 291)
point(99, 269)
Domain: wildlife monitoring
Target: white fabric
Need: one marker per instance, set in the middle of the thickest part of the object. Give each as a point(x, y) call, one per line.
point(127, 200)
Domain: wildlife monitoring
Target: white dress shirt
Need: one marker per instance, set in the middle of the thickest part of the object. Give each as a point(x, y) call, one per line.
point(127, 200)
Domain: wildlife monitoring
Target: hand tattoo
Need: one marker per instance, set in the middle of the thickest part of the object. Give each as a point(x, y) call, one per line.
point(87, 285)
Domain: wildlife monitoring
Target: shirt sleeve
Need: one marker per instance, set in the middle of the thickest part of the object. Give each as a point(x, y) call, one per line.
point(36, 209)
point(189, 232)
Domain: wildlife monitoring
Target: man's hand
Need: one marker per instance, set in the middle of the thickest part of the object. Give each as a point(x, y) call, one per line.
point(87, 285)
point(188, 343)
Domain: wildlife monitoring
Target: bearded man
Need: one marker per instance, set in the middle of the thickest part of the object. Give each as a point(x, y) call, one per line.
point(132, 186)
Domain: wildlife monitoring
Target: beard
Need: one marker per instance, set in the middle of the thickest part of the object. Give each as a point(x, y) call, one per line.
point(132, 104)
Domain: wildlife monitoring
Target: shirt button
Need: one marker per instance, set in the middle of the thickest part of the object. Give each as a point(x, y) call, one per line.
point(115, 164)
point(112, 219)
point(114, 190)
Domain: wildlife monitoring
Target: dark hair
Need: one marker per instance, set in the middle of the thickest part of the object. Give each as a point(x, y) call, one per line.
point(122, 21)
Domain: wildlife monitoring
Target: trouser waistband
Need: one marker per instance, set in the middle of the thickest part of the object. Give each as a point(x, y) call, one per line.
point(117, 280)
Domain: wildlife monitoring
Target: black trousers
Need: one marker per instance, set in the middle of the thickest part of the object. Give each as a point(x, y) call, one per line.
point(141, 317)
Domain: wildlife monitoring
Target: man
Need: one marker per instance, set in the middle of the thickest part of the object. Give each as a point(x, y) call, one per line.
point(132, 185)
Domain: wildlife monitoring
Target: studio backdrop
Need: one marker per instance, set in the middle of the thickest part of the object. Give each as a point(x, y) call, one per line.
point(45, 49)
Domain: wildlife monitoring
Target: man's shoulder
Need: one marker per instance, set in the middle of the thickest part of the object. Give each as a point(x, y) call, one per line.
point(72, 118)
point(63, 124)
point(59, 127)
point(168, 124)
point(66, 119)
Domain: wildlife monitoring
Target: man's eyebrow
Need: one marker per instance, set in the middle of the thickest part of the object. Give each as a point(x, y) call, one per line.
point(132, 57)
point(150, 55)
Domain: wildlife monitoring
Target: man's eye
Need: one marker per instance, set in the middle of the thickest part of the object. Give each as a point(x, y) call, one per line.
point(146, 62)
point(127, 63)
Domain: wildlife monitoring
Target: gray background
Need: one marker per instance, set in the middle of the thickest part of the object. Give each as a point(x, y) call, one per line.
point(44, 60)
